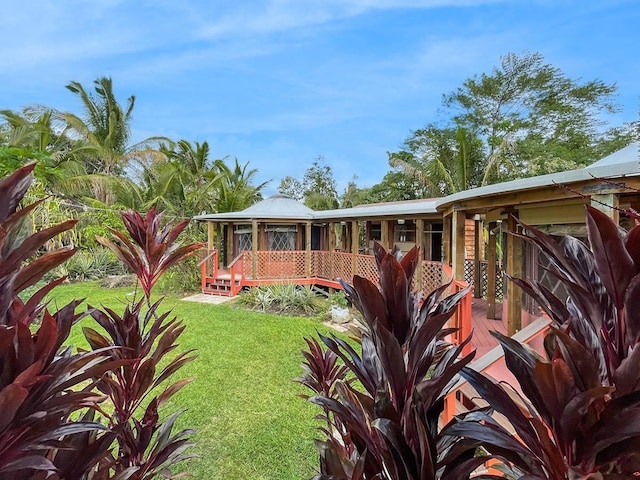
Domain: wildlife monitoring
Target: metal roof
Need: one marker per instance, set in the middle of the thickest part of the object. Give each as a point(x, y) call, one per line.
point(276, 207)
point(622, 163)
point(408, 207)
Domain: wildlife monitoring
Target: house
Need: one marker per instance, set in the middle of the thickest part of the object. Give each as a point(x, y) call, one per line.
point(466, 237)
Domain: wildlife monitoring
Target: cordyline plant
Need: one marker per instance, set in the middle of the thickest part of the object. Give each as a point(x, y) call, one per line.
point(582, 415)
point(52, 422)
point(382, 405)
point(42, 384)
point(146, 446)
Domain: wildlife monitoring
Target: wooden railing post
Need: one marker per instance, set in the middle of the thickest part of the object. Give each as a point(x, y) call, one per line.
point(307, 241)
point(254, 249)
point(420, 245)
point(355, 238)
point(514, 269)
point(491, 273)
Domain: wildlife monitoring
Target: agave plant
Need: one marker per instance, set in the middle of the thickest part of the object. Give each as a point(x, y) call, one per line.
point(42, 383)
point(382, 420)
point(144, 338)
point(581, 414)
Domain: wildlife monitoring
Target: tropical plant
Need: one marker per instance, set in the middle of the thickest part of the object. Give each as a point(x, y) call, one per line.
point(284, 299)
point(51, 423)
point(444, 160)
point(46, 395)
point(104, 132)
point(383, 421)
point(582, 402)
point(142, 338)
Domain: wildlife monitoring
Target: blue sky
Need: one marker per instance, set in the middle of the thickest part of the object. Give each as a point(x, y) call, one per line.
point(279, 82)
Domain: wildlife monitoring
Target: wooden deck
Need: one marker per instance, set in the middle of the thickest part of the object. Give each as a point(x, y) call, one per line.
point(482, 340)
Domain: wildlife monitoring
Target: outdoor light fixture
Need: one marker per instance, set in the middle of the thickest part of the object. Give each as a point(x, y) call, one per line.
point(401, 221)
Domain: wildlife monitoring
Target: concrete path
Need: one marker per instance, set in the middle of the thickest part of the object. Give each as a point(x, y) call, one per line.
point(204, 298)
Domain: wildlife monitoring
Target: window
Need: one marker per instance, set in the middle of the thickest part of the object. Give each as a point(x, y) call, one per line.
point(281, 237)
point(244, 238)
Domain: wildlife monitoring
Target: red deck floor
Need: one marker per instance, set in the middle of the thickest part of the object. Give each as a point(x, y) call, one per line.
point(482, 340)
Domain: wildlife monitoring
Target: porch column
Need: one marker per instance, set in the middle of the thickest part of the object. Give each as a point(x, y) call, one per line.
point(608, 204)
point(211, 235)
point(384, 233)
point(229, 257)
point(478, 243)
point(332, 248)
point(355, 240)
point(458, 244)
point(420, 244)
point(254, 249)
point(343, 236)
point(446, 240)
point(514, 268)
point(367, 236)
point(307, 257)
point(491, 273)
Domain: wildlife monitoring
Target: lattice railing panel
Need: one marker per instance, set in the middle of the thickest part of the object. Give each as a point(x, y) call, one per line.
point(321, 264)
point(342, 266)
point(433, 276)
point(281, 264)
point(469, 277)
point(366, 267)
point(247, 261)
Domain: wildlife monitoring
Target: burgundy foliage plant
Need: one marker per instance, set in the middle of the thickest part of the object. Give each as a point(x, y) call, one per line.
point(580, 417)
point(85, 415)
point(382, 404)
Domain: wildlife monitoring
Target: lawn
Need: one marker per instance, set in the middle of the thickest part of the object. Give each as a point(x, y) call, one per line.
point(249, 422)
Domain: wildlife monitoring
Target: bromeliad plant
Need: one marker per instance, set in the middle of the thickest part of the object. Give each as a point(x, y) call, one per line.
point(142, 337)
point(382, 405)
point(583, 415)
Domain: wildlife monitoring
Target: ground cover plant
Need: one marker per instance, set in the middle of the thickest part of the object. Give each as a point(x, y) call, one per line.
point(283, 299)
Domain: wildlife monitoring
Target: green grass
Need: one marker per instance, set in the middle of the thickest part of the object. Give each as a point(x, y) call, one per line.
point(249, 423)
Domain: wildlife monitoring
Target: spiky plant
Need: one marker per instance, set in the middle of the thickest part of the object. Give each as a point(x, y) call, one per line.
point(42, 384)
point(144, 337)
point(582, 408)
point(382, 421)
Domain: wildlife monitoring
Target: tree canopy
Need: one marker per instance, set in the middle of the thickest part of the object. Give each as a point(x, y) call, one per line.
point(526, 117)
point(317, 189)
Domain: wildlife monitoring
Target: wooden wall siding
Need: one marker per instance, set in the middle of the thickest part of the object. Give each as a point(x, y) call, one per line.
point(469, 238)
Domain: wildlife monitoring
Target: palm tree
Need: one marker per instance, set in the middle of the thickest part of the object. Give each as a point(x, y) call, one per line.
point(444, 160)
point(237, 190)
point(105, 132)
point(33, 134)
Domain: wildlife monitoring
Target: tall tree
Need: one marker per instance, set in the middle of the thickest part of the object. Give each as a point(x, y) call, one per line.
point(105, 130)
point(443, 160)
point(524, 118)
point(317, 188)
point(533, 118)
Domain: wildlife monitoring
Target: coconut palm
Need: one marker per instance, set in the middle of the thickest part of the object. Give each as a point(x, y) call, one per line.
point(237, 190)
point(105, 132)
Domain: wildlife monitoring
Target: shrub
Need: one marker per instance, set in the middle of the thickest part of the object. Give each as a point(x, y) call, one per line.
point(382, 405)
point(92, 264)
point(284, 299)
point(583, 415)
point(51, 423)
